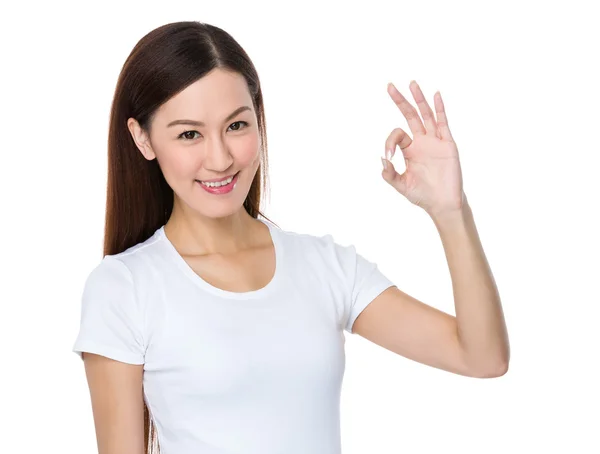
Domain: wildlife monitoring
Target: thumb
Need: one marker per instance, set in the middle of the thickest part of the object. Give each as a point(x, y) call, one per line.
point(390, 175)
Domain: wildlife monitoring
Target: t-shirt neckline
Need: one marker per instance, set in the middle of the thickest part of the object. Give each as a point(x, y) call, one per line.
point(194, 277)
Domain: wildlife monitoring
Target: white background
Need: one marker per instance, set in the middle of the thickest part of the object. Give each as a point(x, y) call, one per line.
point(520, 85)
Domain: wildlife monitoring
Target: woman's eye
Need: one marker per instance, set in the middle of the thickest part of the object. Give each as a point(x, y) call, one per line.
point(239, 123)
point(188, 135)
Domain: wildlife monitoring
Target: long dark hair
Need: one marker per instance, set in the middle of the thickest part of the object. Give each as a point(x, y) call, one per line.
point(162, 63)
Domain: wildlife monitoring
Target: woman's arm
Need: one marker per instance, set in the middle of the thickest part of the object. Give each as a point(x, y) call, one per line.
point(117, 404)
point(475, 342)
point(480, 320)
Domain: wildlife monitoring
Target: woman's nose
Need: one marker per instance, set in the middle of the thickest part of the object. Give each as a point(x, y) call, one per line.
point(217, 157)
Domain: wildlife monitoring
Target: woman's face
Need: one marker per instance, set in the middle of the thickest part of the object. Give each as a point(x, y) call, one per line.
point(207, 131)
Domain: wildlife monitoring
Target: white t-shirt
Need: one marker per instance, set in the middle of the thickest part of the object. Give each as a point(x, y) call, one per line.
point(257, 372)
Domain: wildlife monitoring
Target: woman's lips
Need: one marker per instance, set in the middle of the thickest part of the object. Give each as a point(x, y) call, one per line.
point(216, 180)
point(221, 189)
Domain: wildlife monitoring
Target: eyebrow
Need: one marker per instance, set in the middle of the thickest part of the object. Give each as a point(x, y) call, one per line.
point(199, 123)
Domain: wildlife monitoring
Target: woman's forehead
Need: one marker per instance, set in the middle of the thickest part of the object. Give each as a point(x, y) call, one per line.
point(211, 98)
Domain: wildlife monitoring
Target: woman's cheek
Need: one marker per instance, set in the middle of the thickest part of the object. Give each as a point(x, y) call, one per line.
point(248, 150)
point(179, 165)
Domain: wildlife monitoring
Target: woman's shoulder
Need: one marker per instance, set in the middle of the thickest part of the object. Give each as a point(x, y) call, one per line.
point(318, 240)
point(305, 241)
point(316, 247)
point(138, 259)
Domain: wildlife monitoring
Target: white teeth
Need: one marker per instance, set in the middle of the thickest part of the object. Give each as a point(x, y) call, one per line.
point(218, 183)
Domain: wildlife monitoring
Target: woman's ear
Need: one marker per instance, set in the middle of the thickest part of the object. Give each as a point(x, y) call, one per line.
point(141, 139)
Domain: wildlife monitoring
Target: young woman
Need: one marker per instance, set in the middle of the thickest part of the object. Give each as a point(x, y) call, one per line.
point(205, 328)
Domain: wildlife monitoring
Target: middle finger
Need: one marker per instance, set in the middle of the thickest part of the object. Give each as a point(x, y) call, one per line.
point(425, 109)
point(407, 109)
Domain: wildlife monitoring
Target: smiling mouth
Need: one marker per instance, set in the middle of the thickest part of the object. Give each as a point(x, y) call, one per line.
point(216, 184)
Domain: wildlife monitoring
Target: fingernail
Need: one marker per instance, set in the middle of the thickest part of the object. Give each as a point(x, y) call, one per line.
point(389, 153)
point(384, 163)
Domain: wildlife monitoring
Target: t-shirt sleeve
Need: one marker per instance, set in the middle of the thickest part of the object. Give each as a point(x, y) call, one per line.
point(111, 319)
point(363, 281)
